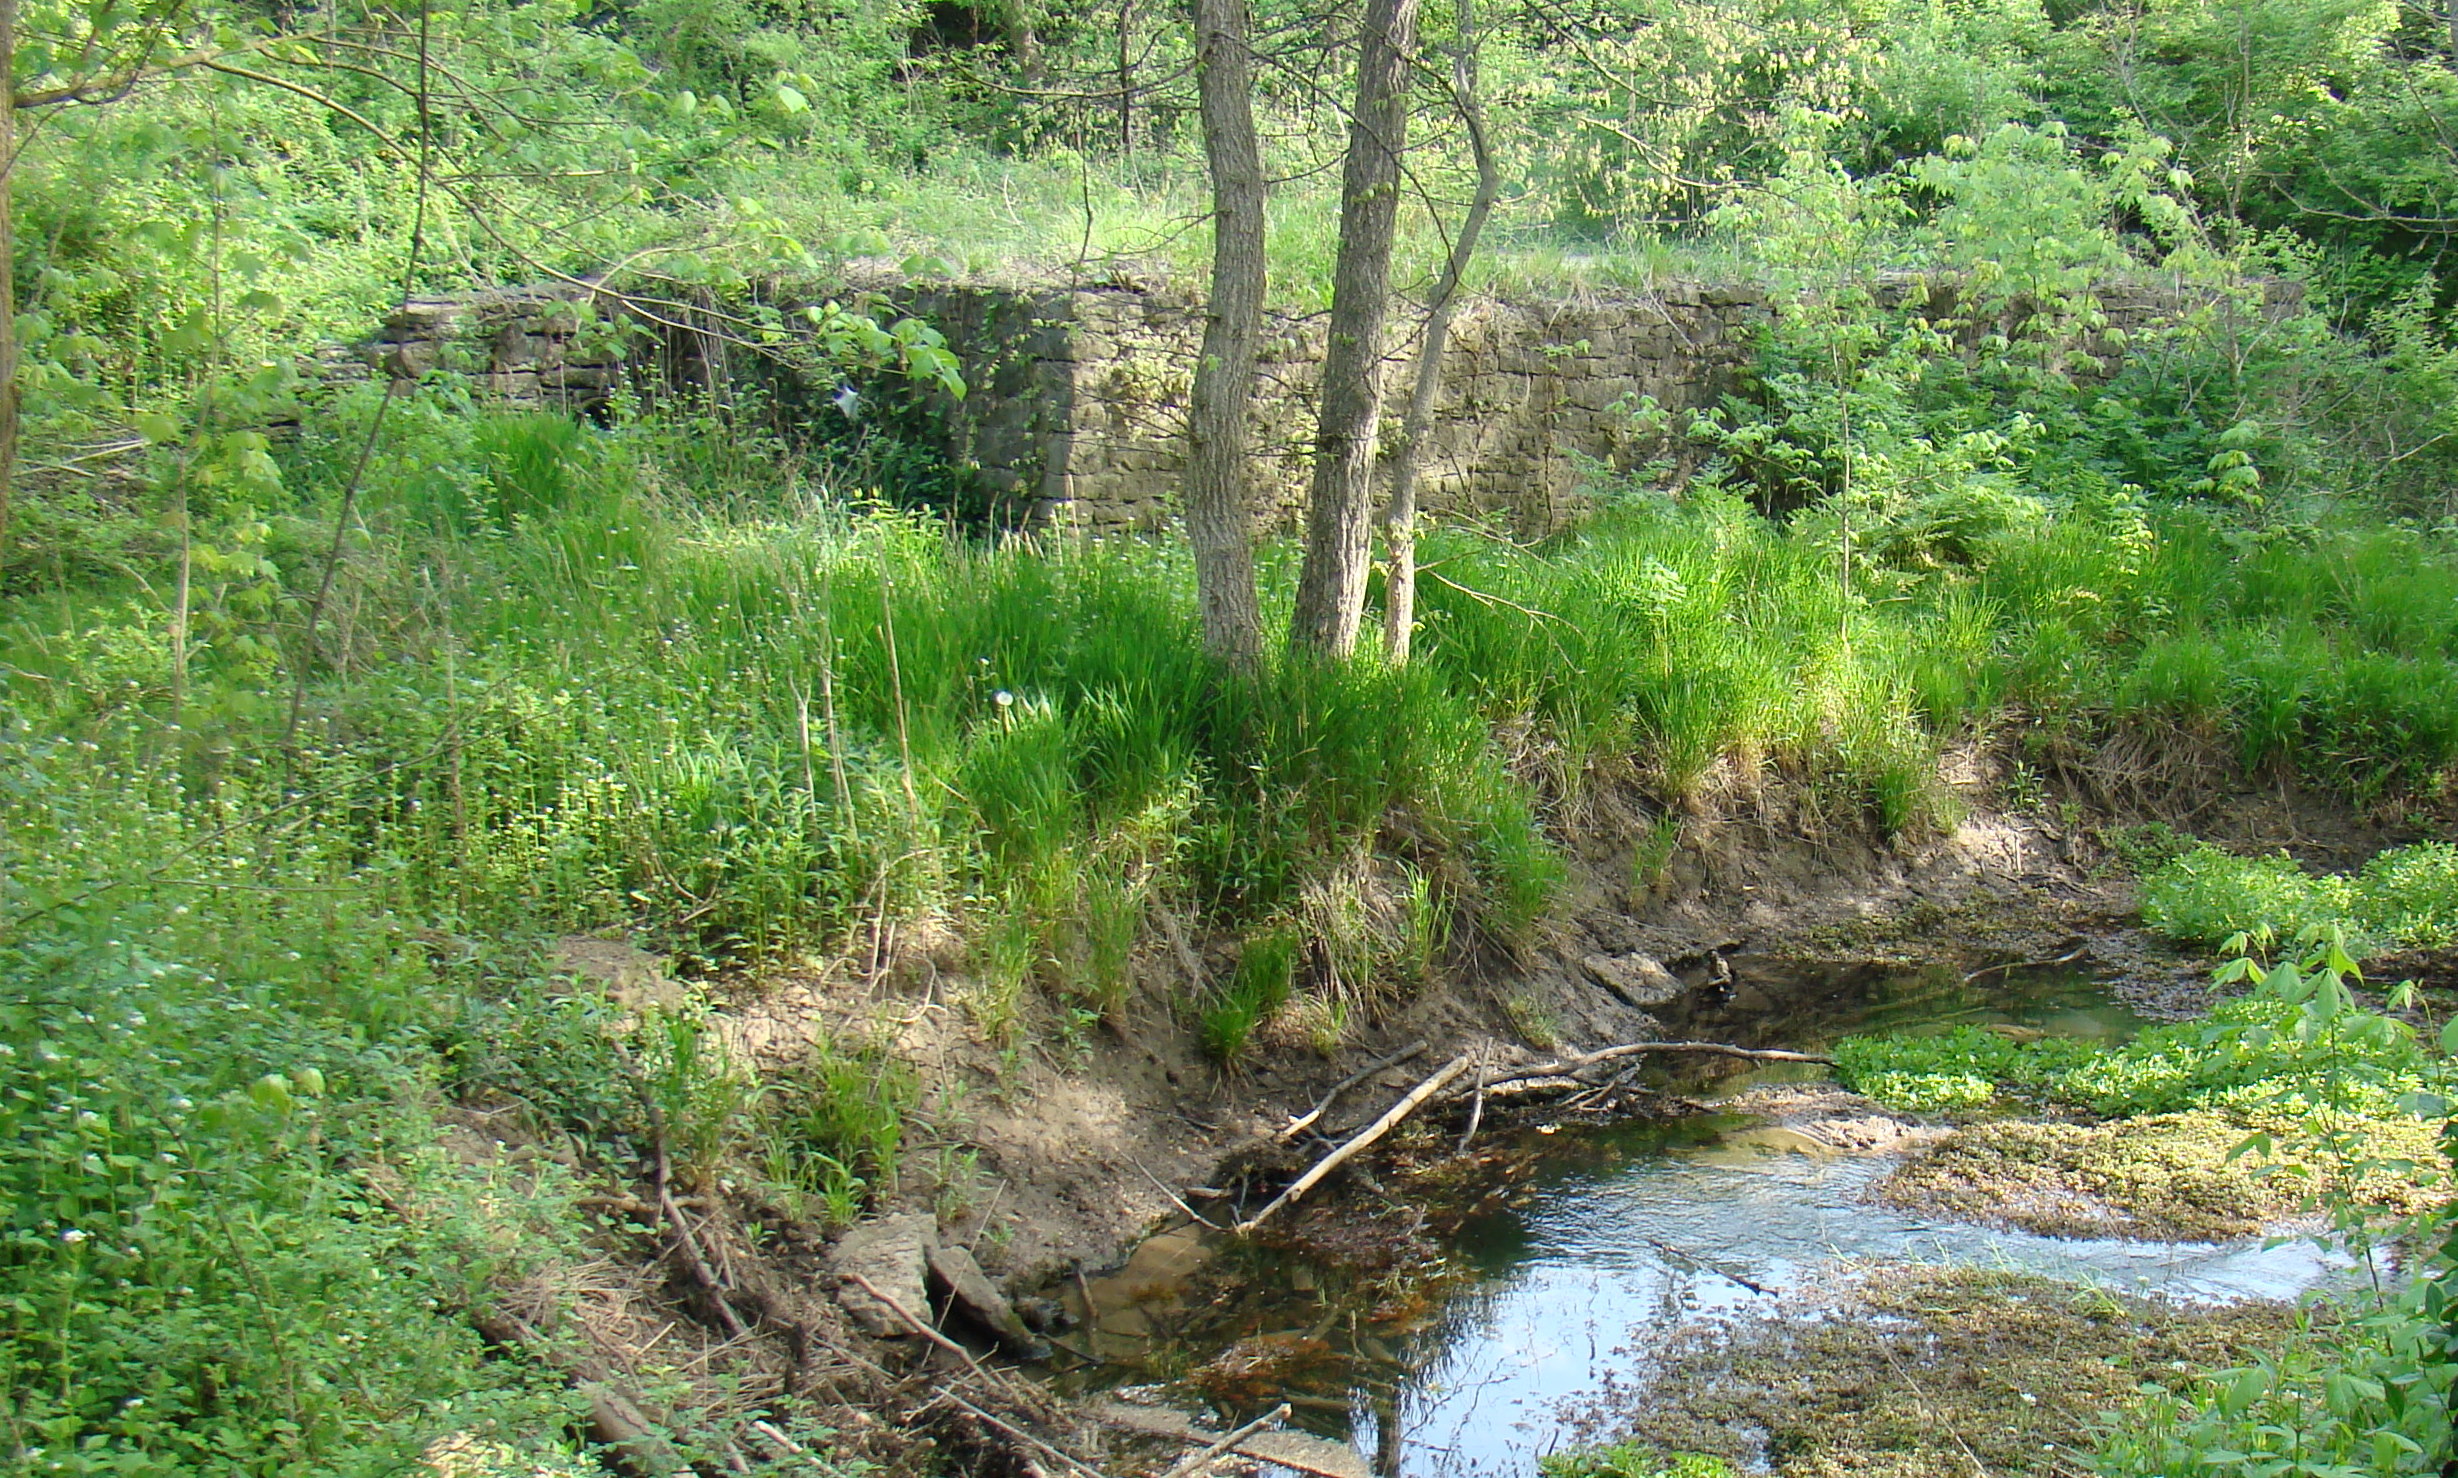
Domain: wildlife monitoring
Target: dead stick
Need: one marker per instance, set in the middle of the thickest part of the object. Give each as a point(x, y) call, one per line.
point(1372, 1132)
point(1323, 1105)
point(988, 1376)
point(1563, 1067)
point(1027, 1438)
point(2068, 958)
point(1197, 1463)
point(1159, 1185)
point(1476, 1115)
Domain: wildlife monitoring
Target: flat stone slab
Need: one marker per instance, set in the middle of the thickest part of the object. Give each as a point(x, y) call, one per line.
point(1639, 980)
point(893, 1252)
point(970, 1290)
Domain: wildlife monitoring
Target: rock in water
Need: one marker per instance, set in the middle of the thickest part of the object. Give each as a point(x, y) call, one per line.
point(893, 1252)
point(1639, 980)
point(970, 1290)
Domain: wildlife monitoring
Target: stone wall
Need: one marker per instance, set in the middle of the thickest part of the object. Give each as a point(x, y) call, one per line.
point(1075, 415)
point(1077, 410)
point(532, 348)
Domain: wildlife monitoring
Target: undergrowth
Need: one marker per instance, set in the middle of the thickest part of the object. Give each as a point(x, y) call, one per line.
point(2404, 898)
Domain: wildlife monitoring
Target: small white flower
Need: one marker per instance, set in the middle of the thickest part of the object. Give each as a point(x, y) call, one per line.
point(72, 1236)
point(1002, 698)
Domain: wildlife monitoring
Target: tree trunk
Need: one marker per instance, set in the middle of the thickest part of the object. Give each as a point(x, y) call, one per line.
point(1331, 588)
point(1219, 510)
point(1400, 519)
point(8, 273)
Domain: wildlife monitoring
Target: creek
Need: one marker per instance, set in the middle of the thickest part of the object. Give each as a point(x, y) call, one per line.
point(1590, 1246)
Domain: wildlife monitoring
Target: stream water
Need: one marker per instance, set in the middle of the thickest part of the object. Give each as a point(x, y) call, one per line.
point(1606, 1243)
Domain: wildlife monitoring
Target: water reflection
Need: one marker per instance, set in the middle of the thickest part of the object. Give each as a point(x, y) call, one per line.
point(1606, 1243)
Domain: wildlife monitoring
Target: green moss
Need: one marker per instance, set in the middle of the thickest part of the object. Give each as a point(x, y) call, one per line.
point(2165, 1176)
point(1943, 1371)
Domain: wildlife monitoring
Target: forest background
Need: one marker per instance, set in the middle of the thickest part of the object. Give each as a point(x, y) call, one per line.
point(327, 710)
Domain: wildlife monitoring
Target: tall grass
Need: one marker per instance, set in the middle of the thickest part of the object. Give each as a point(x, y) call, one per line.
point(565, 701)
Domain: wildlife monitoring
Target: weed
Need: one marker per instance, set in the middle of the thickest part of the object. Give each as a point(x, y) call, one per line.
point(1632, 1460)
point(2405, 897)
point(1534, 1020)
point(2146, 848)
point(1264, 977)
point(2206, 895)
point(842, 1113)
point(1651, 860)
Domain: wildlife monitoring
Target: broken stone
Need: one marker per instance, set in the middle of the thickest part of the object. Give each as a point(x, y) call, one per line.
point(970, 1292)
point(893, 1252)
point(1639, 980)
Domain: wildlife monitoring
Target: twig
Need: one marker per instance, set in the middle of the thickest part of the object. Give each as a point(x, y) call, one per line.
point(988, 1376)
point(660, 1178)
point(2068, 958)
point(1027, 1438)
point(1476, 1115)
point(1323, 1105)
point(1196, 1463)
point(1390, 1120)
point(1180, 1201)
point(1564, 1067)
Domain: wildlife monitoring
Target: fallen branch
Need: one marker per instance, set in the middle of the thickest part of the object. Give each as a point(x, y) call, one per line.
point(1323, 1105)
point(1568, 1066)
point(1363, 1139)
point(1196, 1463)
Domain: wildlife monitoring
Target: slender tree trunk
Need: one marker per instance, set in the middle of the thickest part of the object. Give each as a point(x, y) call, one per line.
point(1400, 519)
point(1219, 510)
point(1126, 82)
point(8, 271)
point(1331, 588)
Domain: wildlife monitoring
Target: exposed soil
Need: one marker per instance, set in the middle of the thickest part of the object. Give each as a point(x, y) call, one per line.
point(1077, 1150)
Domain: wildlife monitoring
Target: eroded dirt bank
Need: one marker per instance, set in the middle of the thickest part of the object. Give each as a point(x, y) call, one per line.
point(1079, 1148)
